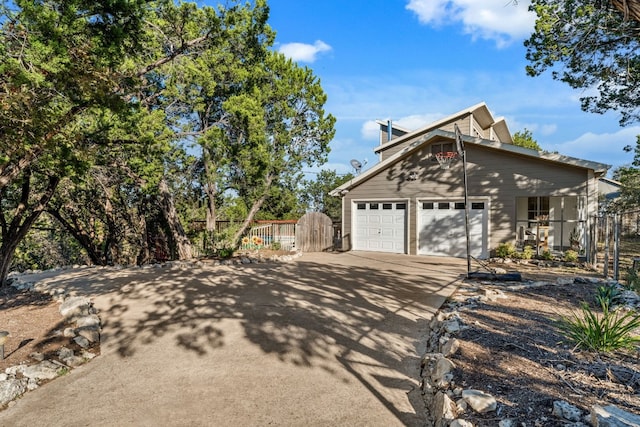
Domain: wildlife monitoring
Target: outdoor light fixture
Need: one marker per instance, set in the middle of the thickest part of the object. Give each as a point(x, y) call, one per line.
point(3, 338)
point(412, 176)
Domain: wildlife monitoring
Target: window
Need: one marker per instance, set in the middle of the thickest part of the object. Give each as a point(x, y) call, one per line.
point(538, 209)
point(387, 206)
point(362, 206)
point(373, 206)
point(443, 205)
point(477, 205)
point(401, 206)
point(427, 205)
point(459, 205)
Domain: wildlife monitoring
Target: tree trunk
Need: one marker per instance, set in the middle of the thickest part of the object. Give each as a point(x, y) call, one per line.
point(24, 217)
point(183, 244)
point(210, 189)
point(253, 211)
point(93, 251)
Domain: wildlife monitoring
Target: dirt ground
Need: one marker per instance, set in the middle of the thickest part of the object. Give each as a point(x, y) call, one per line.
point(513, 351)
point(510, 350)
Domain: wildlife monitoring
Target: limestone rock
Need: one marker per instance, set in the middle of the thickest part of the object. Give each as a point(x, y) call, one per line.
point(442, 368)
point(45, 370)
point(562, 409)
point(612, 416)
point(450, 347)
point(64, 352)
point(10, 389)
point(75, 307)
point(479, 401)
point(444, 410)
point(81, 341)
point(89, 333)
point(39, 357)
point(69, 333)
point(73, 361)
point(88, 321)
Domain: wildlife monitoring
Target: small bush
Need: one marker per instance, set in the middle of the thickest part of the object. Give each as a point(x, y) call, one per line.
point(527, 252)
point(570, 256)
point(607, 332)
point(505, 250)
point(633, 280)
point(606, 295)
point(276, 246)
point(546, 255)
point(225, 252)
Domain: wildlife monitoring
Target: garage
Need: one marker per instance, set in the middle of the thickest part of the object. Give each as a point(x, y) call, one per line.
point(442, 229)
point(380, 226)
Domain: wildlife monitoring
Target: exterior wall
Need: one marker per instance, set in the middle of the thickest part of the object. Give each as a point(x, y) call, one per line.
point(464, 123)
point(493, 175)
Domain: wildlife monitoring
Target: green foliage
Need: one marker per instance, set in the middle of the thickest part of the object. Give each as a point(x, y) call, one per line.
point(570, 255)
point(633, 280)
point(505, 250)
point(606, 332)
point(606, 296)
point(592, 47)
point(527, 252)
point(315, 194)
point(525, 139)
point(546, 255)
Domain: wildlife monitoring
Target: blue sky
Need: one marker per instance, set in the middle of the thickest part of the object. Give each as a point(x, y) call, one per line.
point(416, 61)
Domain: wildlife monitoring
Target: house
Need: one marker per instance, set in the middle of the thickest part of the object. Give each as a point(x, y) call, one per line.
point(408, 204)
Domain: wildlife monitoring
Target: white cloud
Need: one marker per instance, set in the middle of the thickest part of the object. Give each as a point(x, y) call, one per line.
point(600, 147)
point(302, 52)
point(371, 129)
point(499, 20)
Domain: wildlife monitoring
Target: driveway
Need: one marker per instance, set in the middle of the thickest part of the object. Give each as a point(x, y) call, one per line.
point(328, 339)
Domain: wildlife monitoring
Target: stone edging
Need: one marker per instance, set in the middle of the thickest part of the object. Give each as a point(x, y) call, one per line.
point(445, 401)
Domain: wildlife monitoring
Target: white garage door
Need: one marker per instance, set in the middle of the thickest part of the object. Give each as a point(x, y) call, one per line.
point(442, 231)
point(380, 226)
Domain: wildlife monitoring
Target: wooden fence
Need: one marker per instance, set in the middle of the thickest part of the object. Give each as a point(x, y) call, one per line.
point(314, 233)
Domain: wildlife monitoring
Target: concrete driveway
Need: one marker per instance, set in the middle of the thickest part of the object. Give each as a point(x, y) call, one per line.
point(328, 339)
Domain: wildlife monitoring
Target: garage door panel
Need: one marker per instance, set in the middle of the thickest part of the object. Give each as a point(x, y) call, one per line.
point(380, 227)
point(442, 229)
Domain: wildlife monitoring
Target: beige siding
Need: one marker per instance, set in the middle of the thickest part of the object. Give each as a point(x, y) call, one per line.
point(494, 175)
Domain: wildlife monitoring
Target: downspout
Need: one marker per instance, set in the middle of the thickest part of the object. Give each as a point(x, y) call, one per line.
point(389, 130)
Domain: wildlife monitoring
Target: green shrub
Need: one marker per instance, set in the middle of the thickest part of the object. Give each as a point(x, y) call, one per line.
point(546, 255)
point(527, 252)
point(505, 250)
point(606, 295)
point(633, 280)
point(570, 255)
point(276, 246)
point(225, 252)
point(607, 332)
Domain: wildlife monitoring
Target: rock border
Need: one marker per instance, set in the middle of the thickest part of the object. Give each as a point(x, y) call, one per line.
point(445, 401)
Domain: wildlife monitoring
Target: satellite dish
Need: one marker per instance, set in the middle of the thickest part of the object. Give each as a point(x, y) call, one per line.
point(356, 165)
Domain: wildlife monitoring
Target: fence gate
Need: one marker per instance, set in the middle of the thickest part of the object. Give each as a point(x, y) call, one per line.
point(314, 233)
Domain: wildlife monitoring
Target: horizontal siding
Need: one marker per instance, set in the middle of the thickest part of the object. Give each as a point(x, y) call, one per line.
point(495, 175)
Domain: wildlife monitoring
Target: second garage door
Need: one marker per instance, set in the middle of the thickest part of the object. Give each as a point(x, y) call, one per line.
point(442, 229)
point(380, 226)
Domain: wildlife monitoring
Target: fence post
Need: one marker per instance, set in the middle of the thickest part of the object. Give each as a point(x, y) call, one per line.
point(606, 245)
point(616, 246)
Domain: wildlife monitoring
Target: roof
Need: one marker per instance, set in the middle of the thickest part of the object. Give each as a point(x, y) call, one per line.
point(479, 111)
point(609, 188)
point(598, 168)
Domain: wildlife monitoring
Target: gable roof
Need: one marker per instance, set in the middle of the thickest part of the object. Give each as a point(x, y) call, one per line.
point(598, 168)
point(479, 111)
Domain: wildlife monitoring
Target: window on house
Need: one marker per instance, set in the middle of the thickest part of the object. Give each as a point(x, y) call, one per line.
point(387, 206)
point(373, 206)
point(362, 206)
point(427, 205)
point(459, 205)
point(443, 205)
point(401, 206)
point(538, 209)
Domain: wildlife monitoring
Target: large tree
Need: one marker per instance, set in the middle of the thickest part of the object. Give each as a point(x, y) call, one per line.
point(315, 193)
point(593, 47)
point(58, 62)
